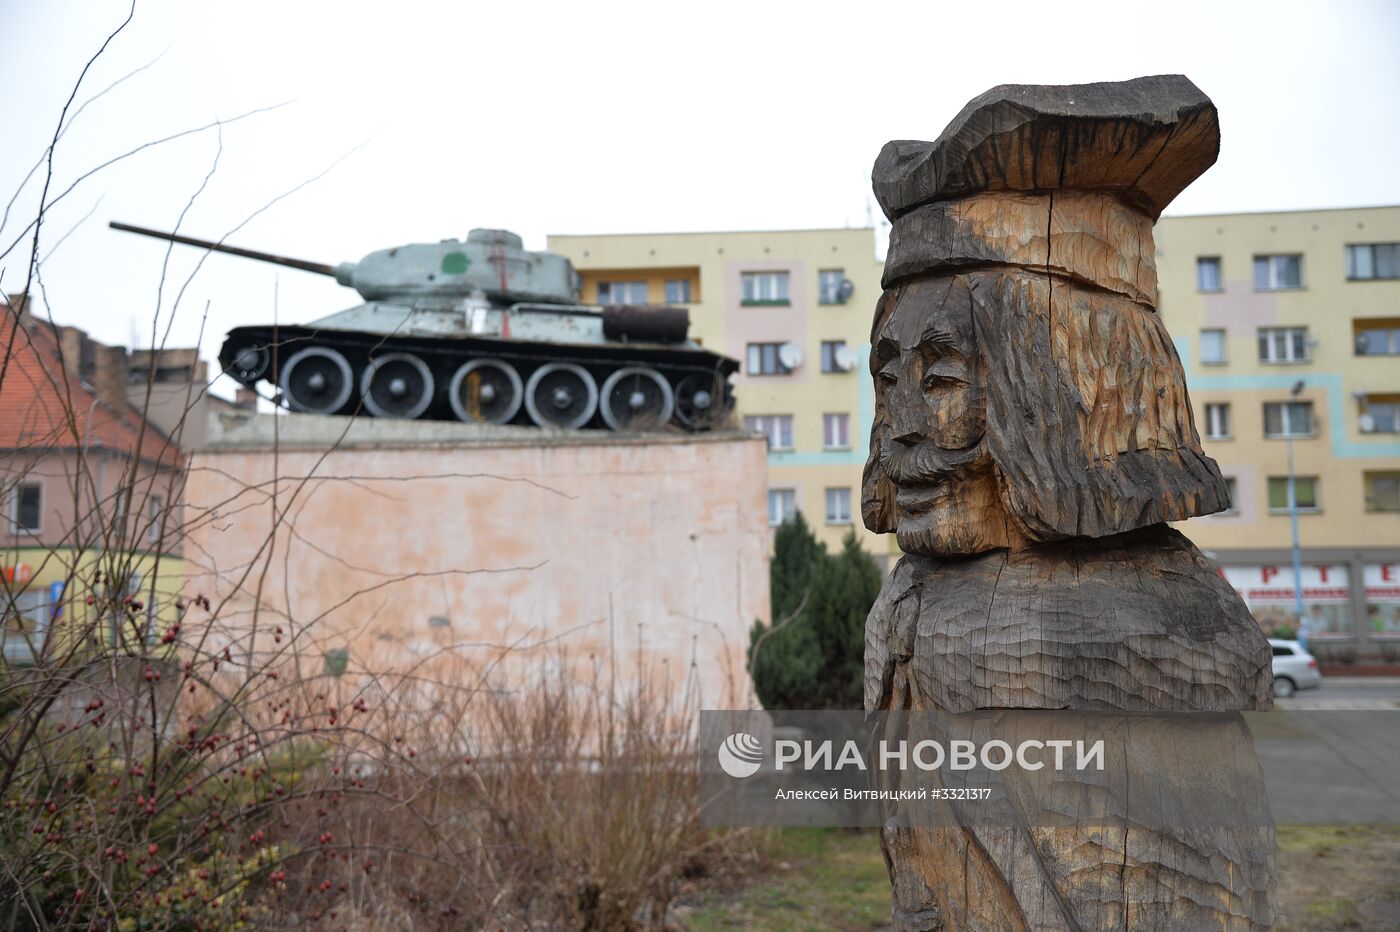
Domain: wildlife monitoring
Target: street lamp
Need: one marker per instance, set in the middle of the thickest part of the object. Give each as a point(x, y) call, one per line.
point(1293, 518)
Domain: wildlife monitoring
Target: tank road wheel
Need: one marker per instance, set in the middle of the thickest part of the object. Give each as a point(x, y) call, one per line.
point(636, 398)
point(561, 394)
point(317, 380)
point(700, 400)
point(397, 385)
point(487, 391)
point(249, 364)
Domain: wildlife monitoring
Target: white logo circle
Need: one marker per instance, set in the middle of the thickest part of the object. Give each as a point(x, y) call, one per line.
point(740, 755)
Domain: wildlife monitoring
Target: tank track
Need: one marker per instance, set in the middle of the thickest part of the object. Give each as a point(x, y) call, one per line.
point(635, 386)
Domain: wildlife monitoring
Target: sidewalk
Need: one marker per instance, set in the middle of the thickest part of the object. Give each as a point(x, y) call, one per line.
point(1352, 671)
point(1330, 679)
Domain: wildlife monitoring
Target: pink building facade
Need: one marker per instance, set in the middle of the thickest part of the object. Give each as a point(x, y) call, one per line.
point(442, 548)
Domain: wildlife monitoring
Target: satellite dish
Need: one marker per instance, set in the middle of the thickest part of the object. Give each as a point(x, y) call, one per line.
point(844, 290)
point(1367, 423)
point(789, 355)
point(845, 358)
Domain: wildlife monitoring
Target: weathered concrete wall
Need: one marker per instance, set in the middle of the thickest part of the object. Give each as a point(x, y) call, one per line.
point(403, 540)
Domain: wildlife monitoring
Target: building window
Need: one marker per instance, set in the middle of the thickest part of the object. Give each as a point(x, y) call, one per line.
point(765, 359)
point(1232, 501)
point(1276, 273)
point(1208, 273)
point(831, 361)
point(1382, 582)
point(155, 506)
point(1380, 414)
point(1269, 593)
point(1212, 347)
point(1217, 422)
point(27, 508)
point(152, 622)
point(1373, 260)
point(838, 506)
point(1377, 339)
point(765, 288)
point(776, 427)
point(1288, 419)
point(27, 615)
point(678, 291)
point(829, 282)
point(622, 292)
point(782, 506)
point(1283, 344)
point(836, 431)
point(1306, 490)
point(1383, 491)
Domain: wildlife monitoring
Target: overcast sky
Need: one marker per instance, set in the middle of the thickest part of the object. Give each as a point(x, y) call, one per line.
point(430, 119)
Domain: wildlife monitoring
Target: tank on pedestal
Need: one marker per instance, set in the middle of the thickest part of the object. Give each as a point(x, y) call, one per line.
point(483, 331)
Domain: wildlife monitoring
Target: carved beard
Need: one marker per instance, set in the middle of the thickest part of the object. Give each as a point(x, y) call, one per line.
point(947, 502)
point(926, 464)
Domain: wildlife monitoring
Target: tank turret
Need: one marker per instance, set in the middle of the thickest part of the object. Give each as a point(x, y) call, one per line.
point(480, 330)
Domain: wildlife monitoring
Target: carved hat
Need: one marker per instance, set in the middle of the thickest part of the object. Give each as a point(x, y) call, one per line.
point(1121, 150)
point(1040, 202)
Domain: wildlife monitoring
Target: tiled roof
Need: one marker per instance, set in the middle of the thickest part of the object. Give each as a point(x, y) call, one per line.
point(37, 392)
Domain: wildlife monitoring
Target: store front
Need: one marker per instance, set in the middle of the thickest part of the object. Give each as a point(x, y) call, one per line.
point(1351, 602)
point(40, 588)
point(1382, 596)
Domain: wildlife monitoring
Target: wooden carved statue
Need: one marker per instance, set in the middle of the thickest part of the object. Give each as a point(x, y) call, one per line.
point(1032, 437)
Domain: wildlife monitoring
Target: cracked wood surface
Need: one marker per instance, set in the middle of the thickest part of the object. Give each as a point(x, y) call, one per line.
point(1032, 434)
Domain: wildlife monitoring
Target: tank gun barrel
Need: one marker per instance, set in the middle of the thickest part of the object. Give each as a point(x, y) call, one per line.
point(320, 268)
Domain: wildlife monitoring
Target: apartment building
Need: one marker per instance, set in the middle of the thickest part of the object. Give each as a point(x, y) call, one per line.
point(1288, 325)
point(794, 307)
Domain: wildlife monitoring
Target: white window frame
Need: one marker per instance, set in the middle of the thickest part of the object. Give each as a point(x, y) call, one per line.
point(1274, 263)
point(155, 507)
point(1217, 418)
point(776, 427)
point(683, 286)
point(15, 492)
point(829, 348)
point(1224, 357)
point(763, 353)
point(1391, 340)
point(778, 500)
point(836, 431)
point(1232, 488)
point(1275, 352)
point(1356, 266)
point(765, 287)
point(32, 606)
point(1302, 509)
point(838, 505)
point(829, 286)
point(1368, 486)
point(628, 286)
point(1204, 262)
point(1286, 418)
point(1394, 415)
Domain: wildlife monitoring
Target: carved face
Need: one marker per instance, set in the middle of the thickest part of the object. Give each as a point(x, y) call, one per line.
point(930, 380)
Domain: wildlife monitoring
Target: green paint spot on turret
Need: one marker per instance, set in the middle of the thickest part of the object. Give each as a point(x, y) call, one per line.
point(455, 263)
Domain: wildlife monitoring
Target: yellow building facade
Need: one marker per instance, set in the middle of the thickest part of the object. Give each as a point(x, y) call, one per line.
point(1288, 325)
point(794, 307)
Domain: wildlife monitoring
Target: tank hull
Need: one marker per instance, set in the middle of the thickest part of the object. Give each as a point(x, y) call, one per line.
point(626, 377)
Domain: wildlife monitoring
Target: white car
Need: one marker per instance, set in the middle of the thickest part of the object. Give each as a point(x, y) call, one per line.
point(1294, 668)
